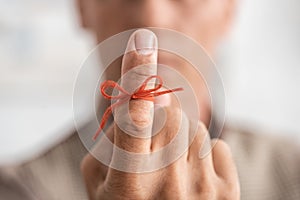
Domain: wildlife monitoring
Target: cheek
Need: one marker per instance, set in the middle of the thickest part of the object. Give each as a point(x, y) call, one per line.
point(105, 20)
point(195, 18)
point(204, 23)
point(112, 19)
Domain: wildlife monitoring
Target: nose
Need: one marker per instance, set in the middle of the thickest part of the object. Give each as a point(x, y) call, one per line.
point(153, 13)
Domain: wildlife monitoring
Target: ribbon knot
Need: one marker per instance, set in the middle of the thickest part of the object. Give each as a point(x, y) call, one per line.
point(124, 96)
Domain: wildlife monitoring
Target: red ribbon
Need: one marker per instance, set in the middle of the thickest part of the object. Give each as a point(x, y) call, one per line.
point(124, 96)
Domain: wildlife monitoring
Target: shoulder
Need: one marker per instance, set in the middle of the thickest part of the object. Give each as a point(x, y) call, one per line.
point(267, 164)
point(54, 174)
point(258, 141)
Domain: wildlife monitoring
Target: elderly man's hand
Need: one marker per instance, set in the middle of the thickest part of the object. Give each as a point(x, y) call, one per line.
point(189, 177)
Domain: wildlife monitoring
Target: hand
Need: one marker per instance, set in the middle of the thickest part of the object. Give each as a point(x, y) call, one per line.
point(189, 177)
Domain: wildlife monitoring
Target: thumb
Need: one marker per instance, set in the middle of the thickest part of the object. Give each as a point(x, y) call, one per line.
point(134, 120)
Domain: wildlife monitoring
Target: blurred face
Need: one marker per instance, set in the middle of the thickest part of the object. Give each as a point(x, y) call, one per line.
point(203, 20)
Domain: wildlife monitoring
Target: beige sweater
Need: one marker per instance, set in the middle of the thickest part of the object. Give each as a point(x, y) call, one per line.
point(269, 169)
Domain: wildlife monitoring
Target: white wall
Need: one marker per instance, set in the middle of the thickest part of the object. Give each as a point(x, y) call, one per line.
point(263, 63)
point(41, 49)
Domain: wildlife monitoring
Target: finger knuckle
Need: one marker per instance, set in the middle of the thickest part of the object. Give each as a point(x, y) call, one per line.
point(140, 120)
point(230, 191)
point(222, 145)
point(208, 191)
point(84, 164)
point(202, 127)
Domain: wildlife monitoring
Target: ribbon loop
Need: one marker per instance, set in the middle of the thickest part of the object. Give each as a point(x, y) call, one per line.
point(112, 84)
point(141, 93)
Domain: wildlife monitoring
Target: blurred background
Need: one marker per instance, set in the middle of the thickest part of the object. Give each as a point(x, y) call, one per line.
point(42, 47)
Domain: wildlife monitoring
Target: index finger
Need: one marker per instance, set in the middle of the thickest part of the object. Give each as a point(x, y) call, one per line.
point(134, 120)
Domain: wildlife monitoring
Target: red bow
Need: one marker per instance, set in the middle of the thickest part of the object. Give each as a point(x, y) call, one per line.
point(124, 96)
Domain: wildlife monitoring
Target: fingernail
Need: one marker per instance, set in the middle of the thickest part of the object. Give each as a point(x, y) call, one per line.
point(145, 42)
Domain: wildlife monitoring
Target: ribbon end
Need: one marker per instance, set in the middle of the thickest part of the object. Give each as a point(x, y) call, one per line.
point(97, 133)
